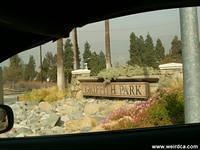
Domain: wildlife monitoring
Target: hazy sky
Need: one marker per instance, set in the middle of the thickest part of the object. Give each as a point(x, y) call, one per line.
point(163, 24)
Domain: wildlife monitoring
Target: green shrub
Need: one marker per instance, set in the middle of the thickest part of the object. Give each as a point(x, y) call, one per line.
point(166, 108)
point(125, 122)
point(127, 71)
point(44, 94)
point(169, 109)
point(174, 105)
point(158, 114)
point(28, 85)
point(128, 117)
point(171, 83)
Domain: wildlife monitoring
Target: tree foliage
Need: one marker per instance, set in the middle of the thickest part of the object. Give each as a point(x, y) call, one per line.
point(102, 61)
point(159, 50)
point(149, 53)
point(87, 53)
point(14, 72)
point(68, 59)
point(95, 62)
point(142, 52)
point(29, 69)
point(176, 46)
point(48, 70)
point(175, 53)
point(134, 50)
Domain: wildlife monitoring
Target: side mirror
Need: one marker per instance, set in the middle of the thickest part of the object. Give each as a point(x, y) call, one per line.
point(6, 118)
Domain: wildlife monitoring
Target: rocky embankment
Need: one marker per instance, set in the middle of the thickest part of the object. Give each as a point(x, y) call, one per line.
point(61, 117)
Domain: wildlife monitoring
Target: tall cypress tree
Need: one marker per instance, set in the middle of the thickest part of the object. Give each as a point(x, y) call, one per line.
point(87, 54)
point(14, 72)
point(134, 50)
point(175, 54)
point(149, 53)
point(68, 59)
point(175, 45)
point(29, 71)
point(141, 51)
point(68, 55)
point(15, 68)
point(49, 67)
point(176, 49)
point(94, 64)
point(159, 50)
point(101, 60)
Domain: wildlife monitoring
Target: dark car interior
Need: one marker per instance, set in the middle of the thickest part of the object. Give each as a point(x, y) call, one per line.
point(30, 25)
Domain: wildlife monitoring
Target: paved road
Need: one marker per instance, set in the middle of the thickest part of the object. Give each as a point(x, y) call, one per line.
point(10, 99)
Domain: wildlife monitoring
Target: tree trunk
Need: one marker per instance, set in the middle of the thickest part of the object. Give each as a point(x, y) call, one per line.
point(41, 71)
point(75, 49)
point(107, 45)
point(60, 66)
point(1, 86)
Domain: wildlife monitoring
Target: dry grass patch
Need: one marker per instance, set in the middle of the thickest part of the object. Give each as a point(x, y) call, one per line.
point(44, 94)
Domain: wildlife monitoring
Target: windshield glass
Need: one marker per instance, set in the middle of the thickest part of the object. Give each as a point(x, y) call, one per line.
point(114, 74)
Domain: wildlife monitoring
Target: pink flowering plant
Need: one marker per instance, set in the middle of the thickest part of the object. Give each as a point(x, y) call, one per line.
point(127, 117)
point(164, 108)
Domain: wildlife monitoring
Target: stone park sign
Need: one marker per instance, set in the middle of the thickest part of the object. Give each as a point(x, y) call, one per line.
point(116, 89)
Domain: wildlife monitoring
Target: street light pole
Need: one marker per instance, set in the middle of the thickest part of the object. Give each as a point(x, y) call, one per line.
point(1, 87)
point(191, 63)
point(75, 49)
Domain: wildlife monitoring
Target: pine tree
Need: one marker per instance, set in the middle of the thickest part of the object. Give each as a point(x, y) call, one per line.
point(94, 64)
point(68, 59)
point(149, 53)
point(14, 72)
point(175, 54)
point(49, 67)
point(133, 50)
point(102, 60)
point(87, 54)
point(176, 49)
point(53, 69)
point(29, 71)
point(79, 59)
point(97, 63)
point(141, 51)
point(68, 54)
point(159, 50)
point(175, 46)
point(16, 68)
point(136, 50)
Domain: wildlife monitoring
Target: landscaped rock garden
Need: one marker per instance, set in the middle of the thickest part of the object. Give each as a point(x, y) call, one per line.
point(39, 112)
point(70, 116)
point(61, 117)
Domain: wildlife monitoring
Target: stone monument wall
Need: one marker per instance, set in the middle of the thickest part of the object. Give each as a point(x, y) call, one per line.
point(171, 72)
point(168, 72)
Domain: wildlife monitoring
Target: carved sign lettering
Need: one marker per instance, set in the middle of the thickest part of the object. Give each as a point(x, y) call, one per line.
point(116, 89)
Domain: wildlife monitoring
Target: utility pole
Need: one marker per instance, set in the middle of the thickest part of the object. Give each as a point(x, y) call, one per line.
point(60, 66)
point(107, 45)
point(1, 87)
point(191, 63)
point(75, 49)
point(41, 67)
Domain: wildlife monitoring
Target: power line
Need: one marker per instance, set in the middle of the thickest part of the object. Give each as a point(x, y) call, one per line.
point(131, 28)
